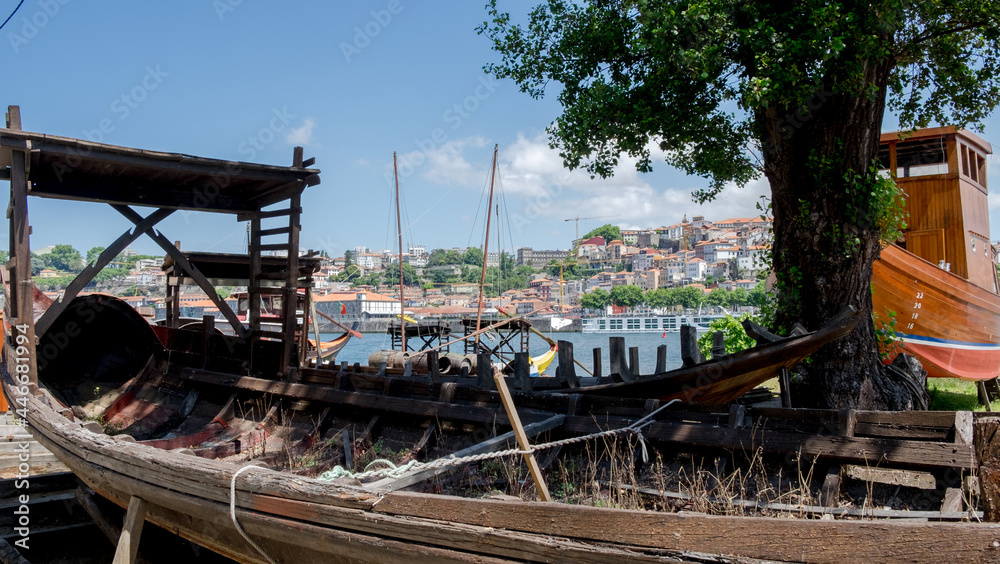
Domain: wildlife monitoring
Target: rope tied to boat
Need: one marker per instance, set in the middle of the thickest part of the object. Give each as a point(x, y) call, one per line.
point(396, 472)
point(232, 515)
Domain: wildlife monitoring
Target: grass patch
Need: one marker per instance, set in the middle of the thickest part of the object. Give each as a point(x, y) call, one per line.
point(952, 394)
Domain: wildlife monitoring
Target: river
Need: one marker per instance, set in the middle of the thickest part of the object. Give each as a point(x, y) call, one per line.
point(358, 350)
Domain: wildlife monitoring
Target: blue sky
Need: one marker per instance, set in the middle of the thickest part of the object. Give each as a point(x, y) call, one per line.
point(350, 81)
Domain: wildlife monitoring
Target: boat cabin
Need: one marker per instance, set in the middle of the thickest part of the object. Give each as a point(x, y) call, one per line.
point(942, 172)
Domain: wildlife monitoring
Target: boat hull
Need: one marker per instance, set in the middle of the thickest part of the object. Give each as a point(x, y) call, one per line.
point(951, 325)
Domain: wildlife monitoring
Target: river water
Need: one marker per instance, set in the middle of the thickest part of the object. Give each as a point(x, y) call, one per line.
point(358, 350)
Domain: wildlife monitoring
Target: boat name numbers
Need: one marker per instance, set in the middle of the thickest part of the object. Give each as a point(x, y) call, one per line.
point(916, 305)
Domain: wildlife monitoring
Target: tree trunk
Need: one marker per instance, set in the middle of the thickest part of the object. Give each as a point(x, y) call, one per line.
point(826, 238)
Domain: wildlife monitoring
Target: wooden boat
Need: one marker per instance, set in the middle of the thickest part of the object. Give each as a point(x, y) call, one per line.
point(208, 435)
point(938, 287)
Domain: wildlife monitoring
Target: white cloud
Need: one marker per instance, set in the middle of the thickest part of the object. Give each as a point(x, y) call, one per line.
point(301, 135)
point(446, 164)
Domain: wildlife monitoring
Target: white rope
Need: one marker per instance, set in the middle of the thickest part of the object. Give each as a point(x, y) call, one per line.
point(397, 472)
point(232, 514)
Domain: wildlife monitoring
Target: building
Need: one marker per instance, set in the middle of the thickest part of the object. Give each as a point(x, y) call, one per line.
point(538, 259)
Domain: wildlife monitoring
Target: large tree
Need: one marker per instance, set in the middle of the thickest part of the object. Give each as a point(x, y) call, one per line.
point(795, 91)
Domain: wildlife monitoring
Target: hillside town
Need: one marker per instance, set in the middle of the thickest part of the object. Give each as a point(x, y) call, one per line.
point(608, 270)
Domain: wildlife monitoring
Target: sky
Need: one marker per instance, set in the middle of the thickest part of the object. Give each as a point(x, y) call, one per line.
point(351, 82)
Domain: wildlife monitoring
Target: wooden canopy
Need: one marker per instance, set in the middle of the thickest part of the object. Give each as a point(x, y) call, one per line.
point(75, 169)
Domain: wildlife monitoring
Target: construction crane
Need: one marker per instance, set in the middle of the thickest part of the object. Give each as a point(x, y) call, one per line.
point(578, 218)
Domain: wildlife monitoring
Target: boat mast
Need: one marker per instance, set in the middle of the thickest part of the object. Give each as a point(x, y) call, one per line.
point(486, 247)
point(399, 229)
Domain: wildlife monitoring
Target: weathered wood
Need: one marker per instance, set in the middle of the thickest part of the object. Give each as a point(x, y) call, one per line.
point(758, 333)
point(862, 450)
point(987, 444)
point(892, 477)
point(566, 370)
point(433, 360)
point(597, 362)
point(522, 371)
point(785, 388)
point(633, 361)
point(10, 555)
point(737, 416)
point(128, 543)
point(522, 438)
point(830, 493)
point(619, 368)
point(718, 344)
point(484, 369)
point(953, 501)
point(661, 359)
point(690, 353)
point(189, 268)
point(799, 540)
point(345, 437)
point(208, 343)
point(963, 427)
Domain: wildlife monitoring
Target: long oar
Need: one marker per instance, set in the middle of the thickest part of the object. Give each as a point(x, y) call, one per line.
point(330, 319)
point(546, 339)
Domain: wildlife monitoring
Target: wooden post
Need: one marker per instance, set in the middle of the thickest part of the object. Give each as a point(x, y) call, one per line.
point(128, 543)
point(785, 388)
point(207, 333)
point(522, 370)
point(566, 370)
point(619, 368)
point(484, 369)
point(661, 359)
point(348, 455)
point(433, 366)
point(633, 361)
point(987, 443)
point(522, 438)
point(718, 344)
point(21, 285)
point(690, 353)
point(597, 362)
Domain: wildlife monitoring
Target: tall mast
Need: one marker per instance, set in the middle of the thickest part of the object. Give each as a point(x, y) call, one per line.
point(486, 247)
point(399, 229)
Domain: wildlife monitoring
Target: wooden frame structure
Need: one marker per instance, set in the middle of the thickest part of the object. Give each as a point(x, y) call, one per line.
point(72, 169)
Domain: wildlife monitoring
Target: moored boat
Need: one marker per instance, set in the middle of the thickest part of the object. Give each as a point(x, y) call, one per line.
point(937, 289)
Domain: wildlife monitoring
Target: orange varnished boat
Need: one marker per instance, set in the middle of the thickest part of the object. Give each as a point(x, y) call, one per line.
point(940, 283)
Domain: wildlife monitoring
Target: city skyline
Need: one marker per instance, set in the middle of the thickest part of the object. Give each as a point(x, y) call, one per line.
point(352, 84)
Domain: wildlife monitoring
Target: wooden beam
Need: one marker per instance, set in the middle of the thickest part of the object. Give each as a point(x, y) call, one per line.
point(128, 543)
point(92, 270)
point(186, 265)
point(522, 438)
point(22, 285)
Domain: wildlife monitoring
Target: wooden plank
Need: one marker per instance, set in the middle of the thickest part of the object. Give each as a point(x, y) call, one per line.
point(797, 540)
point(128, 543)
point(619, 368)
point(22, 286)
point(862, 450)
point(522, 371)
point(718, 344)
point(489, 445)
point(830, 493)
point(892, 477)
point(522, 437)
point(952, 501)
point(597, 362)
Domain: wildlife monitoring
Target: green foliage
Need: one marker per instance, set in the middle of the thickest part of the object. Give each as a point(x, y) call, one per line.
point(608, 231)
point(391, 274)
point(889, 341)
point(688, 296)
point(626, 296)
point(441, 257)
point(93, 253)
point(473, 256)
point(223, 291)
point(348, 259)
point(596, 299)
point(736, 338)
point(64, 257)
